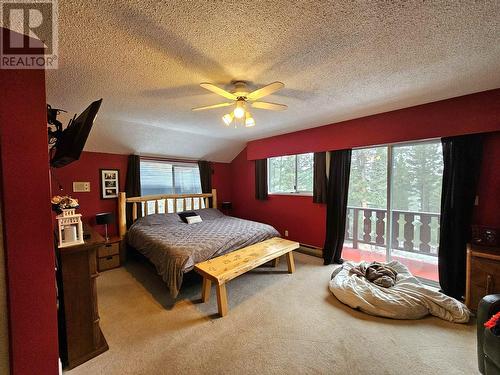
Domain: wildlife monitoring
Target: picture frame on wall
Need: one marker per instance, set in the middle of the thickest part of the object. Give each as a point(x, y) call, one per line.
point(110, 185)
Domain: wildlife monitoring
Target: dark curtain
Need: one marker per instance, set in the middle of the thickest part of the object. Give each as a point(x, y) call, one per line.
point(261, 179)
point(205, 176)
point(336, 205)
point(133, 184)
point(462, 160)
point(319, 177)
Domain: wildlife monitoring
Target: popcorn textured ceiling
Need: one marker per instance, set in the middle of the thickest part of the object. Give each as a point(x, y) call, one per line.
point(338, 59)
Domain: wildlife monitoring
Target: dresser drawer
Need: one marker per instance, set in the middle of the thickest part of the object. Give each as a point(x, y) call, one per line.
point(111, 261)
point(109, 249)
point(484, 279)
point(485, 274)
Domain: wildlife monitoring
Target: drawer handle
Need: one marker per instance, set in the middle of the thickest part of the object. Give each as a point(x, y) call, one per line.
point(109, 258)
point(489, 284)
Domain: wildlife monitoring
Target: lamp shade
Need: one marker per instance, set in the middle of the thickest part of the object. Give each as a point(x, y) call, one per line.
point(227, 205)
point(105, 218)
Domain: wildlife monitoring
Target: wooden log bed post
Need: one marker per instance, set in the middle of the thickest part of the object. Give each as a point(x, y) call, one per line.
point(214, 198)
point(122, 214)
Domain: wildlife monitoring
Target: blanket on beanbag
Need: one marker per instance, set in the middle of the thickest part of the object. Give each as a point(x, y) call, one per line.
point(407, 299)
point(378, 273)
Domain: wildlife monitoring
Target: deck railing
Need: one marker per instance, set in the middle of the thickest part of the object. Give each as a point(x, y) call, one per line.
point(416, 232)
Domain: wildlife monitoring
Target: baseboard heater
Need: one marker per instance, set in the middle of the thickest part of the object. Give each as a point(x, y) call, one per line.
point(310, 250)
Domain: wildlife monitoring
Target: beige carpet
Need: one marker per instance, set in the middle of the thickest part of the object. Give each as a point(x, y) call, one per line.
point(277, 323)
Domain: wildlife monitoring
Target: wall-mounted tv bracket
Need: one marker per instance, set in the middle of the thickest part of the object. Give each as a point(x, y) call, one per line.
point(54, 126)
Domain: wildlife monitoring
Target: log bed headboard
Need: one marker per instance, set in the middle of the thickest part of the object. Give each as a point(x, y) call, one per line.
point(150, 204)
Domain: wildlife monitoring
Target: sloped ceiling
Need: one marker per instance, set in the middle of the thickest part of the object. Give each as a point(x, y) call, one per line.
point(338, 59)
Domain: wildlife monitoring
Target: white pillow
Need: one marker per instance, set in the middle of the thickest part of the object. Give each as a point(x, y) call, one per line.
point(193, 219)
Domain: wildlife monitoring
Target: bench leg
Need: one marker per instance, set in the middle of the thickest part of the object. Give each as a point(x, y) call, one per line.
point(289, 260)
point(276, 262)
point(222, 299)
point(205, 289)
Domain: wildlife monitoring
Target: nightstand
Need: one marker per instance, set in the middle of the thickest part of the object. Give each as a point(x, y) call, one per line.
point(483, 274)
point(108, 255)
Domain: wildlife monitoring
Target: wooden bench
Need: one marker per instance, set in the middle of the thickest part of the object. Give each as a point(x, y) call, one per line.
point(222, 269)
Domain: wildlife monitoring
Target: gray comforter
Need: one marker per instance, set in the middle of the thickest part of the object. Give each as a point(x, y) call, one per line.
point(174, 247)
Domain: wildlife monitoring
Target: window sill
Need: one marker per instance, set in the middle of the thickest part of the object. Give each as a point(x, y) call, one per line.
point(293, 194)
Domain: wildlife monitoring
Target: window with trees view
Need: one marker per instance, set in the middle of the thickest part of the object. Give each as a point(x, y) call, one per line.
point(291, 174)
point(416, 177)
point(394, 204)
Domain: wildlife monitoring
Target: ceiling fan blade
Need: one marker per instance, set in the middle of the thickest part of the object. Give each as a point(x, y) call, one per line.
point(218, 91)
point(266, 90)
point(212, 106)
point(270, 106)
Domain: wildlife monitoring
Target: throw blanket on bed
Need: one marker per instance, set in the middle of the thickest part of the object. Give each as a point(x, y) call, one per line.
point(174, 247)
point(407, 299)
point(377, 273)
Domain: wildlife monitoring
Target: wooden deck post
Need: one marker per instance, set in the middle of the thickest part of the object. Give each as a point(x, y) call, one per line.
point(355, 223)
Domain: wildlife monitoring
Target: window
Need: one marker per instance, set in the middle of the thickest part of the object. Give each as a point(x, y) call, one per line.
point(162, 177)
point(291, 174)
point(394, 205)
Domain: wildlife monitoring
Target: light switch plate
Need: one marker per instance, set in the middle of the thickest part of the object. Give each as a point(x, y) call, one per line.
point(81, 187)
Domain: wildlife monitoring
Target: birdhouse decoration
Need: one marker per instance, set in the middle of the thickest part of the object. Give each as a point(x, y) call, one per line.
point(69, 223)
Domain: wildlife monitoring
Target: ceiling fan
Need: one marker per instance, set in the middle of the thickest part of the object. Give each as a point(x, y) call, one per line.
point(242, 98)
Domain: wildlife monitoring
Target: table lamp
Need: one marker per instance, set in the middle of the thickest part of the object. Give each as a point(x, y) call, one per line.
point(105, 218)
point(226, 207)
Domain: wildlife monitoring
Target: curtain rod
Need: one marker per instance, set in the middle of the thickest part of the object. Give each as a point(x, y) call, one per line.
point(158, 158)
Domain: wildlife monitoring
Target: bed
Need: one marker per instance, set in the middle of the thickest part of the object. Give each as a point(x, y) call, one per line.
point(173, 246)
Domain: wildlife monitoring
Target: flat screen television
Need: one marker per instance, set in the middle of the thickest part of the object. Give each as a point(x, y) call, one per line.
point(72, 140)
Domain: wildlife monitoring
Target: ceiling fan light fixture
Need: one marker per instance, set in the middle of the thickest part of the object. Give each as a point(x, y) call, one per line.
point(239, 111)
point(227, 118)
point(241, 98)
point(249, 121)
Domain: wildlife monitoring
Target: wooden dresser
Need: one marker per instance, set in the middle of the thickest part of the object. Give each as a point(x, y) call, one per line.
point(483, 274)
point(80, 337)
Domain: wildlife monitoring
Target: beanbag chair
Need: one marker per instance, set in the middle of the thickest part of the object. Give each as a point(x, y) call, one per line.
point(407, 299)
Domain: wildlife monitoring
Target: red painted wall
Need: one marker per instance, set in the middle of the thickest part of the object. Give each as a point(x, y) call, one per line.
point(305, 220)
point(221, 180)
point(87, 169)
point(487, 212)
point(27, 221)
point(474, 113)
